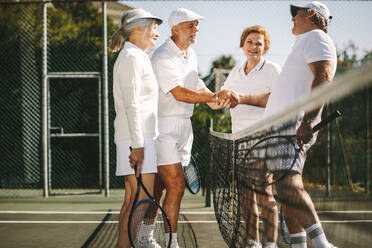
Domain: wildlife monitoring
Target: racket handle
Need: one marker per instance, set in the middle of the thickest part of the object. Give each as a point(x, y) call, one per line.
point(325, 121)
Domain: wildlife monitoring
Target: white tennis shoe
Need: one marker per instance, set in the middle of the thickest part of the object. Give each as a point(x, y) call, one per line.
point(149, 244)
point(254, 244)
point(331, 246)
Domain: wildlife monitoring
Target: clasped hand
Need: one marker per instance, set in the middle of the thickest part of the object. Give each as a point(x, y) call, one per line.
point(227, 99)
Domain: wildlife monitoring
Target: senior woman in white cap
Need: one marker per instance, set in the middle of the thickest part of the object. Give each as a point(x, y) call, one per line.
point(135, 93)
point(176, 68)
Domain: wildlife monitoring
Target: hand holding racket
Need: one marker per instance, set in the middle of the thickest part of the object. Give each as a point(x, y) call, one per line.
point(136, 158)
point(146, 225)
point(271, 158)
point(305, 132)
point(192, 176)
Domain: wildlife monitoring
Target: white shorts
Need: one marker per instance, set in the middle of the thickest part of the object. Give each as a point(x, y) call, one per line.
point(174, 142)
point(122, 158)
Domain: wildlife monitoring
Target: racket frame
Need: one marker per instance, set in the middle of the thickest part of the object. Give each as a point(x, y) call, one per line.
point(136, 203)
point(316, 128)
point(194, 165)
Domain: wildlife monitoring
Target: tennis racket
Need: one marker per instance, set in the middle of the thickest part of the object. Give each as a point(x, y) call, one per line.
point(283, 228)
point(148, 222)
point(271, 158)
point(192, 176)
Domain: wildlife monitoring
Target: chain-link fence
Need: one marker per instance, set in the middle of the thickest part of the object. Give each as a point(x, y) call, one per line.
point(75, 83)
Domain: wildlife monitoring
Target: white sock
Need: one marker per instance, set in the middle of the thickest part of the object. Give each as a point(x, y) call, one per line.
point(147, 233)
point(254, 243)
point(270, 245)
point(317, 235)
point(298, 240)
point(174, 239)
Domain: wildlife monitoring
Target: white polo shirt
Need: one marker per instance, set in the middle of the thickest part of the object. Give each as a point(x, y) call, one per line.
point(296, 78)
point(258, 80)
point(135, 93)
point(174, 68)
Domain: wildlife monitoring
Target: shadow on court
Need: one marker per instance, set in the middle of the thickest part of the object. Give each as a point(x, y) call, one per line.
point(105, 234)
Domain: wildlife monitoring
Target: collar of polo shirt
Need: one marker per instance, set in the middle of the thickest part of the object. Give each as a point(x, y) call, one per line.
point(176, 49)
point(258, 67)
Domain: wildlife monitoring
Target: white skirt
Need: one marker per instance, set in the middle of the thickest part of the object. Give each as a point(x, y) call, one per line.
point(122, 158)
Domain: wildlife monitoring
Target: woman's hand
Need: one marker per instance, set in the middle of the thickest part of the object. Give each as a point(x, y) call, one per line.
point(136, 158)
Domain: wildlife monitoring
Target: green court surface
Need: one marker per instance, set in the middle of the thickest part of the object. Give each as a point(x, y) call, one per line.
point(91, 221)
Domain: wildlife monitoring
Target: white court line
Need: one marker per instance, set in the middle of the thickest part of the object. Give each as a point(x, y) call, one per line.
point(88, 222)
point(190, 213)
point(346, 211)
point(115, 222)
point(86, 212)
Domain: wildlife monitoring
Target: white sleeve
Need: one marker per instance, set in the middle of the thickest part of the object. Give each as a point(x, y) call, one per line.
point(227, 84)
point(167, 74)
point(130, 77)
point(200, 84)
point(318, 48)
point(274, 73)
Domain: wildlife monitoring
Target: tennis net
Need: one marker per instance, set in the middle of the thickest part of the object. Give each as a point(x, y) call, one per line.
point(232, 192)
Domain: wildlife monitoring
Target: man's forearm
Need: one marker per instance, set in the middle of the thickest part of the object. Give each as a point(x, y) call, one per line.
point(192, 96)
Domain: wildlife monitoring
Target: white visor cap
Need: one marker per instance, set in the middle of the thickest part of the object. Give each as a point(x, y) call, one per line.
point(143, 14)
point(319, 7)
point(183, 15)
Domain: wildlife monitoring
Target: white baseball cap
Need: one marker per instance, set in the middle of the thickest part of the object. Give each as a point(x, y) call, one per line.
point(183, 15)
point(319, 7)
point(143, 14)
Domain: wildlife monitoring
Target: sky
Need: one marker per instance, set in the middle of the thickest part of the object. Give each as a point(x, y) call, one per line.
point(225, 20)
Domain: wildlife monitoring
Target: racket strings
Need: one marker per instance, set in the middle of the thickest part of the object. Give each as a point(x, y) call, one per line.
point(147, 225)
point(192, 178)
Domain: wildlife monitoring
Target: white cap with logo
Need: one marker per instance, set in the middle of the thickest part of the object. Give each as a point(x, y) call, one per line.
point(319, 7)
point(183, 15)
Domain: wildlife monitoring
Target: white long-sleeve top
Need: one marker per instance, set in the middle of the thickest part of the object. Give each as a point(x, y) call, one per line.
point(135, 93)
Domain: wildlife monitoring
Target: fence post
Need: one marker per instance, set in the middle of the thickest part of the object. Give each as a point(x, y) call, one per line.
point(106, 154)
point(369, 142)
point(45, 138)
point(329, 154)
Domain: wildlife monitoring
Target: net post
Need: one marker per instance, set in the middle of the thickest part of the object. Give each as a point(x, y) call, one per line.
point(208, 183)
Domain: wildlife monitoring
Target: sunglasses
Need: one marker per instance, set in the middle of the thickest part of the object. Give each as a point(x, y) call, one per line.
point(294, 11)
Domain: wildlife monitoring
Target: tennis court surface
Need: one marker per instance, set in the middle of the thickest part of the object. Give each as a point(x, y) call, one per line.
point(91, 221)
